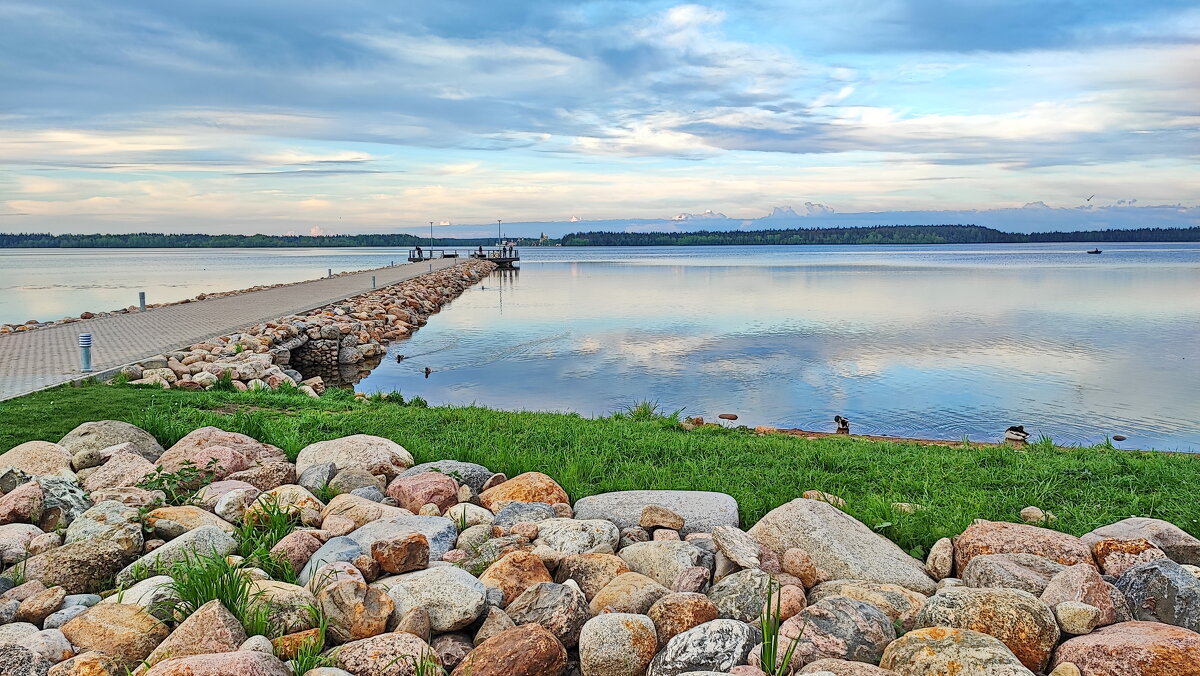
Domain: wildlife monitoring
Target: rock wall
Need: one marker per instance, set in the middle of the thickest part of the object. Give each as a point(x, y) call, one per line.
point(333, 340)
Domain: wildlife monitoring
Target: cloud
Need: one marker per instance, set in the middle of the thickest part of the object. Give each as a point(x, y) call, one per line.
point(226, 113)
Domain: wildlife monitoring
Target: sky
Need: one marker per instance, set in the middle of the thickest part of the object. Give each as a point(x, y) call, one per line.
point(294, 116)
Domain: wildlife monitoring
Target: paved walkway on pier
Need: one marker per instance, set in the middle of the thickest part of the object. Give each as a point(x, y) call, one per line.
point(35, 360)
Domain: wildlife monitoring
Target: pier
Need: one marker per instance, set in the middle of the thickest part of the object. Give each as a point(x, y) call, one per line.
point(49, 356)
point(505, 256)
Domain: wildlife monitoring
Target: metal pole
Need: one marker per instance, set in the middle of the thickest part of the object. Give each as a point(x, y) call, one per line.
point(497, 232)
point(330, 272)
point(372, 281)
point(142, 300)
point(85, 352)
point(431, 239)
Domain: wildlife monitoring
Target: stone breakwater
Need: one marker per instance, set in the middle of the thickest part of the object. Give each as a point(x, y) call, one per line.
point(303, 350)
point(32, 324)
point(386, 567)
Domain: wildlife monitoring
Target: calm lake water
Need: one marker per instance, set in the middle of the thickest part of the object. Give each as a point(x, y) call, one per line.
point(944, 342)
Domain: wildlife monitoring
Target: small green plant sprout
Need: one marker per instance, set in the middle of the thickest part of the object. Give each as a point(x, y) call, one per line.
point(261, 531)
point(461, 521)
point(181, 486)
point(309, 655)
point(425, 665)
point(773, 662)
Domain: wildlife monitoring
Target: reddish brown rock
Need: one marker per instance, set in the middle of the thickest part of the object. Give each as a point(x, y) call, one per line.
point(255, 451)
point(528, 650)
point(1082, 583)
point(211, 629)
point(127, 633)
point(92, 663)
point(189, 517)
point(23, 504)
point(401, 554)
point(998, 537)
point(414, 492)
point(528, 487)
point(355, 610)
point(242, 663)
point(628, 593)
point(1134, 649)
point(296, 548)
point(655, 516)
point(289, 645)
point(590, 571)
point(1117, 556)
point(797, 562)
point(1017, 618)
point(674, 614)
point(221, 461)
point(514, 573)
point(35, 608)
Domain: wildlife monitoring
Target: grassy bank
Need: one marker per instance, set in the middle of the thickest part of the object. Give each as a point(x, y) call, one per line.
point(1084, 487)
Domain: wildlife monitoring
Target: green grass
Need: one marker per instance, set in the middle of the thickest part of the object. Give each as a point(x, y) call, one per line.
point(1085, 488)
point(198, 579)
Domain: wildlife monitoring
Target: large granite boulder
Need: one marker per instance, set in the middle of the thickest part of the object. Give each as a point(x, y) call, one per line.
point(719, 645)
point(840, 544)
point(80, 567)
point(529, 650)
point(1001, 537)
point(38, 458)
point(1018, 619)
point(452, 596)
point(701, 510)
point(1027, 572)
point(203, 541)
point(617, 644)
point(379, 456)
point(1178, 545)
point(1134, 649)
point(1162, 591)
point(439, 531)
point(942, 651)
point(839, 627)
point(102, 434)
point(467, 473)
point(663, 561)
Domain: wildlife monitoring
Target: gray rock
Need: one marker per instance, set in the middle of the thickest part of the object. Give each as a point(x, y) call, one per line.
point(840, 627)
point(1162, 591)
point(8, 610)
point(736, 545)
point(578, 536)
point(560, 608)
point(371, 493)
point(59, 618)
point(663, 561)
point(354, 478)
point(259, 644)
point(517, 512)
point(14, 541)
point(471, 539)
point(65, 500)
point(452, 596)
point(701, 510)
point(11, 477)
point(719, 646)
point(1027, 572)
point(202, 541)
point(467, 473)
point(109, 520)
point(840, 544)
point(1178, 545)
point(316, 476)
point(101, 434)
point(85, 600)
point(440, 531)
point(741, 596)
point(79, 567)
point(16, 660)
point(155, 595)
point(336, 549)
point(617, 644)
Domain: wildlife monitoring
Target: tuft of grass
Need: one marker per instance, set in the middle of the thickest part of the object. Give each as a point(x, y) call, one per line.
point(774, 662)
point(425, 665)
point(310, 655)
point(197, 579)
point(1084, 487)
point(261, 531)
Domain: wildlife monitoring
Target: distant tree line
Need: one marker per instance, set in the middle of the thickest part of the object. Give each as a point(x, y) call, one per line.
point(147, 240)
point(890, 234)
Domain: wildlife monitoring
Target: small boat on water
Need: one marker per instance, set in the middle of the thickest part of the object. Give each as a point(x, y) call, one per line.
point(1095, 251)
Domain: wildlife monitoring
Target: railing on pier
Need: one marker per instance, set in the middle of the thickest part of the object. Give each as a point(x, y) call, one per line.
point(418, 255)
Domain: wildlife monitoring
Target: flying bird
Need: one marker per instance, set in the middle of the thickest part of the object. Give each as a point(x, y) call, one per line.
point(1089, 199)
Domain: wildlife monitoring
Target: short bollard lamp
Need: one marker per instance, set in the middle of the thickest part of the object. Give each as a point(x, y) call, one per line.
point(85, 352)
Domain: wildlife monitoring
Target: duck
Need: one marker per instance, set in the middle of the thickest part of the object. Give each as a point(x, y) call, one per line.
point(1016, 433)
point(843, 424)
point(428, 371)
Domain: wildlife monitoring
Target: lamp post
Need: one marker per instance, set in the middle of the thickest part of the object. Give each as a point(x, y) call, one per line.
point(431, 238)
point(498, 241)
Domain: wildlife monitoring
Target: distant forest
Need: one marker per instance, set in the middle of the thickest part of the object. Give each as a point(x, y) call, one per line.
point(891, 234)
point(150, 240)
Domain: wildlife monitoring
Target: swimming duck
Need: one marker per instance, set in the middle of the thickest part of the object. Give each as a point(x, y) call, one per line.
point(843, 425)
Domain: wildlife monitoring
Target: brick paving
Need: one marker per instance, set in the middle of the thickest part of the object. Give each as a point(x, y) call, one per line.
point(35, 360)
